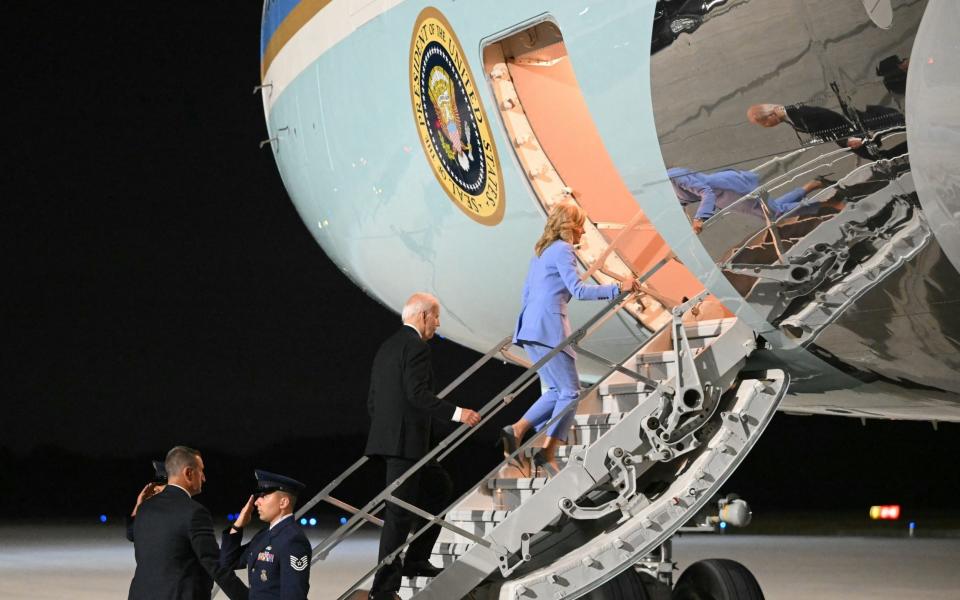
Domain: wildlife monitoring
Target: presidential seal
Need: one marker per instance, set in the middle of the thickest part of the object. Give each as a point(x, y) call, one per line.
point(451, 123)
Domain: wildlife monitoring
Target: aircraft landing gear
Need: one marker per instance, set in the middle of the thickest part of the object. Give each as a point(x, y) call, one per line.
point(625, 586)
point(717, 579)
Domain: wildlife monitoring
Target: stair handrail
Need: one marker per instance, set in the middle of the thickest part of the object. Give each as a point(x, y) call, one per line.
point(324, 494)
point(437, 519)
point(463, 431)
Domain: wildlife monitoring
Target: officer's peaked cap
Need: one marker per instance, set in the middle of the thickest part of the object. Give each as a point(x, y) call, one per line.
point(271, 482)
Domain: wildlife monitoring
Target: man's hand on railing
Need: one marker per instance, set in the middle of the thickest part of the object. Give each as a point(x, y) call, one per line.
point(629, 285)
point(469, 417)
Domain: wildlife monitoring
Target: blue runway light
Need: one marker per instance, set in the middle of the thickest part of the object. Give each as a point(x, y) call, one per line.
point(723, 524)
point(303, 521)
point(313, 522)
point(343, 520)
point(103, 518)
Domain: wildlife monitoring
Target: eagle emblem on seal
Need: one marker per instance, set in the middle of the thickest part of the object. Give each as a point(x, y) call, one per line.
point(443, 97)
point(450, 121)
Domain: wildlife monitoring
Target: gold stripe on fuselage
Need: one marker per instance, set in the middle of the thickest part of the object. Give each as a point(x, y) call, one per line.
point(291, 24)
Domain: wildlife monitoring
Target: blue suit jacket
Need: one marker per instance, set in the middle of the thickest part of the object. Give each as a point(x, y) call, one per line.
point(552, 280)
point(714, 191)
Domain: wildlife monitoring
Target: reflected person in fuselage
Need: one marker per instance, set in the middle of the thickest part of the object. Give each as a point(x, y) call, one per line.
point(829, 125)
point(705, 194)
point(552, 280)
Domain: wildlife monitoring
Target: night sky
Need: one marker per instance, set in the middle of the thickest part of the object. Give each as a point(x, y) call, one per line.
point(163, 280)
point(160, 288)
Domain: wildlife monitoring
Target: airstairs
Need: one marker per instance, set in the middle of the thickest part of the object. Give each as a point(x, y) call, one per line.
point(671, 423)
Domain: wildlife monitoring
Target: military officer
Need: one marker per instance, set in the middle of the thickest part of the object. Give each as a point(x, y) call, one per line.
point(277, 558)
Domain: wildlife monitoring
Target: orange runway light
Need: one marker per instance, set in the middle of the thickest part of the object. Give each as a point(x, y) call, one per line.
point(885, 512)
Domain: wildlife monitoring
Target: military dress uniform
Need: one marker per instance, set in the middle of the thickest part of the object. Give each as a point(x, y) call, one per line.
point(277, 559)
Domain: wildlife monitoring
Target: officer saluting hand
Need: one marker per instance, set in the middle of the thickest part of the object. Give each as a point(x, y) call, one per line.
point(277, 558)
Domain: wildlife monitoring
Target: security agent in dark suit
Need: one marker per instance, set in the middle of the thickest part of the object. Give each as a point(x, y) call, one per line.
point(278, 556)
point(176, 551)
point(401, 404)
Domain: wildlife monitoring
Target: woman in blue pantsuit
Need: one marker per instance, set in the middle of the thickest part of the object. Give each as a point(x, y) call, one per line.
point(552, 280)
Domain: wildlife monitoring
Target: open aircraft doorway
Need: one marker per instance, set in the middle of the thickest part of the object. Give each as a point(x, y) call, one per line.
point(562, 155)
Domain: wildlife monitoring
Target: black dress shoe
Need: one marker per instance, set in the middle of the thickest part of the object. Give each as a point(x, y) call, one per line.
point(420, 568)
point(825, 180)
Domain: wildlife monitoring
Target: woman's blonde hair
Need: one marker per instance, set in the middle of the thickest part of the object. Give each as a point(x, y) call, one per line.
point(564, 218)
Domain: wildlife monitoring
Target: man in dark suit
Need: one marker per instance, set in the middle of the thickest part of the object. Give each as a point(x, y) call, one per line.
point(401, 403)
point(176, 551)
point(278, 556)
point(829, 125)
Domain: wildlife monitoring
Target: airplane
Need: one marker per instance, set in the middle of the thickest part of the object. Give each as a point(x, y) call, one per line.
point(423, 144)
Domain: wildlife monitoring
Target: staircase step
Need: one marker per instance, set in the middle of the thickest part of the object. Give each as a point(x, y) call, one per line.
point(588, 428)
point(477, 522)
point(659, 366)
point(445, 553)
point(563, 452)
point(622, 397)
point(518, 483)
point(613, 389)
point(477, 516)
point(509, 493)
point(409, 587)
point(656, 358)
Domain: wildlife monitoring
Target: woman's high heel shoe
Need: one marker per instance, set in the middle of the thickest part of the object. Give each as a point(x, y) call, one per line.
point(540, 462)
point(509, 441)
point(510, 445)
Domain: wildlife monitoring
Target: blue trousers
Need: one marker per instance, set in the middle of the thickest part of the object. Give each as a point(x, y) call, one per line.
point(559, 378)
point(787, 201)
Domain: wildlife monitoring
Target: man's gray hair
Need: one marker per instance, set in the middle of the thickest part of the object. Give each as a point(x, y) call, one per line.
point(179, 458)
point(418, 303)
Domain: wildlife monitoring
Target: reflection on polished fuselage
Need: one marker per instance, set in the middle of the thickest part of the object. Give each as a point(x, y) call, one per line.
point(830, 257)
point(852, 271)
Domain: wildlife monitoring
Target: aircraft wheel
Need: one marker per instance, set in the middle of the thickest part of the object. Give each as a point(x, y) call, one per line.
point(717, 579)
point(655, 589)
point(625, 586)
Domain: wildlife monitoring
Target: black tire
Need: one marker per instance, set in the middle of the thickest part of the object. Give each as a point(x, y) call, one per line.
point(717, 579)
point(654, 588)
point(625, 586)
